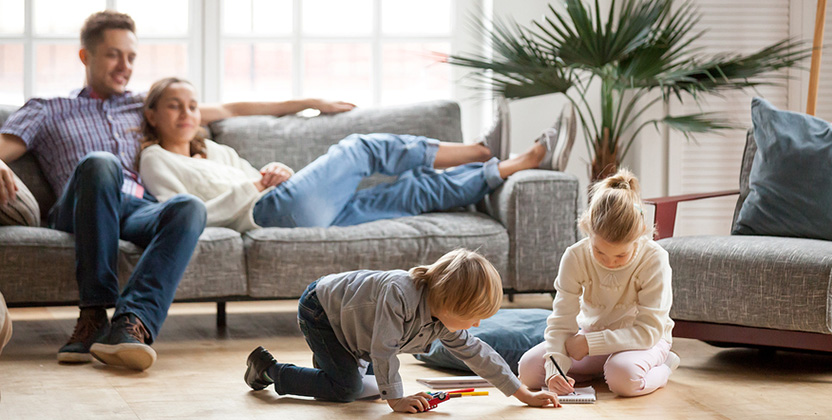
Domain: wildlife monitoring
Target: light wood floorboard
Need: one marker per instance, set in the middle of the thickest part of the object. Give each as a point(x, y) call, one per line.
point(199, 376)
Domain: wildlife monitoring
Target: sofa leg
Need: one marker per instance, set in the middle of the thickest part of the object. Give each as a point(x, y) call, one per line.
point(510, 296)
point(221, 320)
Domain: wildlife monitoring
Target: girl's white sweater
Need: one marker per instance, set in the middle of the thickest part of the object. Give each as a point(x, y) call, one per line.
point(626, 308)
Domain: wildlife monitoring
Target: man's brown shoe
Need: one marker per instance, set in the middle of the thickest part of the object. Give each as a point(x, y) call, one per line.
point(125, 345)
point(92, 325)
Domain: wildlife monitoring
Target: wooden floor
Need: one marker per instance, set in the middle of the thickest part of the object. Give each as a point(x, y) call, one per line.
point(199, 376)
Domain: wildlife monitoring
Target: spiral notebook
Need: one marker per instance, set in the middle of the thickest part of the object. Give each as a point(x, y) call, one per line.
point(585, 395)
point(448, 382)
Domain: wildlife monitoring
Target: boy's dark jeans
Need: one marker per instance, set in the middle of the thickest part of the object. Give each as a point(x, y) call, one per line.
point(337, 376)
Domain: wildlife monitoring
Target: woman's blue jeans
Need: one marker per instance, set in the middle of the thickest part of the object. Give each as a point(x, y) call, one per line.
point(324, 192)
point(337, 376)
point(93, 208)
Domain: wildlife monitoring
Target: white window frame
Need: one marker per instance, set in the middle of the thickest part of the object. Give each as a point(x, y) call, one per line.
point(30, 41)
point(206, 42)
point(215, 46)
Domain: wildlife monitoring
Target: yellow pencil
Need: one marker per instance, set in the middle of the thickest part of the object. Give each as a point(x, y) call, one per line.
point(467, 394)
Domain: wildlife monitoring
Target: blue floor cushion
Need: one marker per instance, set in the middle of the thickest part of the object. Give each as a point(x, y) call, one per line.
point(511, 332)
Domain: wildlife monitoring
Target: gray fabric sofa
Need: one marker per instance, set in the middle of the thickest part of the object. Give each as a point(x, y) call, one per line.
point(523, 227)
point(748, 290)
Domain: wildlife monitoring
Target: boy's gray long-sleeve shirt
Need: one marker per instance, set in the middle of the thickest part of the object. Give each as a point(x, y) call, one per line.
point(378, 314)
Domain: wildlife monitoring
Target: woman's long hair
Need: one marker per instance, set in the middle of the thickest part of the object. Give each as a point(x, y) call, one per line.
point(148, 132)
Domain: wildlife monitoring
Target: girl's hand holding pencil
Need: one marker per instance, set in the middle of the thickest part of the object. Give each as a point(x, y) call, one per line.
point(561, 385)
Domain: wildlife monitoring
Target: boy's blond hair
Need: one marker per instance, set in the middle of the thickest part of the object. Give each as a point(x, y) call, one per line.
point(615, 212)
point(462, 283)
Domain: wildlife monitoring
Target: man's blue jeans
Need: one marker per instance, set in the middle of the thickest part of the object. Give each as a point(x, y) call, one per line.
point(93, 207)
point(337, 377)
point(324, 192)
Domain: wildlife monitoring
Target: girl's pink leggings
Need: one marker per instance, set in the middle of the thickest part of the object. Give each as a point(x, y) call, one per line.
point(628, 373)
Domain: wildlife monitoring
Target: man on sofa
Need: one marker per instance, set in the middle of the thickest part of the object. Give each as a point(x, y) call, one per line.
point(86, 144)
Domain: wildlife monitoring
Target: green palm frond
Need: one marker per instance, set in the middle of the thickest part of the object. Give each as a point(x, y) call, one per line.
point(644, 46)
point(733, 71)
point(580, 38)
point(521, 68)
point(703, 122)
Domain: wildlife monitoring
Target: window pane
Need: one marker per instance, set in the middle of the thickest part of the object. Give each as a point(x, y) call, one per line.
point(61, 17)
point(337, 17)
point(58, 70)
point(411, 72)
point(155, 61)
point(338, 72)
point(11, 74)
point(11, 17)
point(157, 17)
point(257, 17)
point(425, 17)
point(257, 72)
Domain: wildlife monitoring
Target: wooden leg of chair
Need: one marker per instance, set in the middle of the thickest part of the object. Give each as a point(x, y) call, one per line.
point(221, 319)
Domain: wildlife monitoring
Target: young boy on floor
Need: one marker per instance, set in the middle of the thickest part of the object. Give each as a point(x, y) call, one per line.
point(360, 317)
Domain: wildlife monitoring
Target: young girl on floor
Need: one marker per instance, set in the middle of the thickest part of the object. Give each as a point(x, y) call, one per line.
point(611, 311)
point(356, 318)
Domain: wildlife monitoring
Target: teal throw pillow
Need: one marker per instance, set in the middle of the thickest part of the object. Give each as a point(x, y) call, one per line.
point(790, 184)
point(510, 332)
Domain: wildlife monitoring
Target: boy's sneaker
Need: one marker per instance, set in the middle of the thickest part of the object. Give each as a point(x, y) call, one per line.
point(497, 137)
point(673, 360)
point(257, 370)
point(91, 326)
point(125, 345)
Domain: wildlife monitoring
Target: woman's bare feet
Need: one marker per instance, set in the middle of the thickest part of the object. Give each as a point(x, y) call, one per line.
point(530, 159)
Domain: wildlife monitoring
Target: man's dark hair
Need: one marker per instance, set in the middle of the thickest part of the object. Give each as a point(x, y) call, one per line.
point(93, 30)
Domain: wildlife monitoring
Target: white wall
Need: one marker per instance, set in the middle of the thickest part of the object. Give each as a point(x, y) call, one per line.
point(529, 117)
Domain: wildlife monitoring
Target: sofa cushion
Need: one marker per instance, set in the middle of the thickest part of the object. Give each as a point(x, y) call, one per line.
point(745, 171)
point(23, 211)
point(39, 265)
point(281, 262)
point(790, 192)
point(760, 281)
point(217, 267)
point(297, 141)
point(28, 169)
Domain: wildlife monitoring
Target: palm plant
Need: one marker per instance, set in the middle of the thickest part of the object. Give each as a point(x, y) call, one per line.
point(644, 48)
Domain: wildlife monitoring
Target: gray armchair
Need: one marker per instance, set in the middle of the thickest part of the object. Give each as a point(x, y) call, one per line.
point(748, 290)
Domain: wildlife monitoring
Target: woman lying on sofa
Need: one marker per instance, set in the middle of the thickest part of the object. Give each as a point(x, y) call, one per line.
point(176, 159)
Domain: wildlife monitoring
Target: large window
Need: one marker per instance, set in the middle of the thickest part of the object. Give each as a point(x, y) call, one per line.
point(39, 42)
point(371, 52)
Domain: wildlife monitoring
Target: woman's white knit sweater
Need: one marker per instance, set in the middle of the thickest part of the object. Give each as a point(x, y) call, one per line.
point(626, 308)
point(224, 181)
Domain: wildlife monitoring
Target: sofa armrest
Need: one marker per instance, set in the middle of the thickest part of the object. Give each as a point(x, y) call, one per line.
point(539, 210)
point(666, 209)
